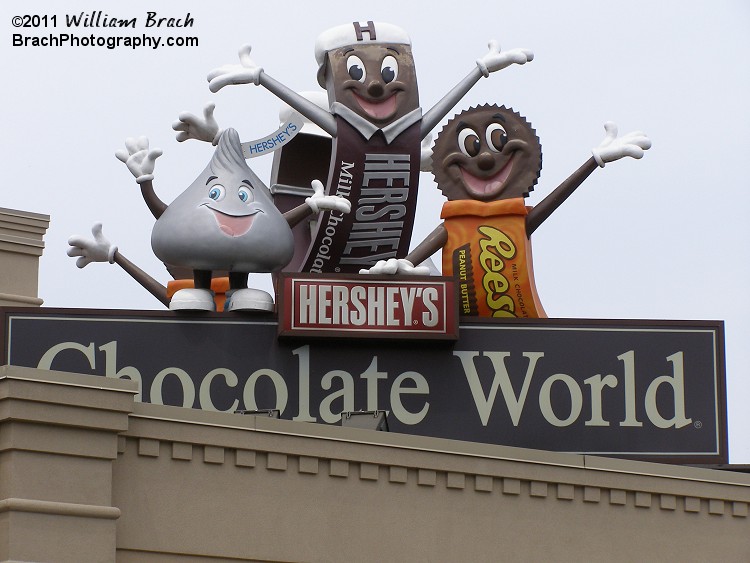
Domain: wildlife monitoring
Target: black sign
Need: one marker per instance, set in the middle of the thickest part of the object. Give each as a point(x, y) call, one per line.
point(638, 389)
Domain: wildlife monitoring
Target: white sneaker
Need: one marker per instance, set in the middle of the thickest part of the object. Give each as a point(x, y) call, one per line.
point(193, 300)
point(248, 300)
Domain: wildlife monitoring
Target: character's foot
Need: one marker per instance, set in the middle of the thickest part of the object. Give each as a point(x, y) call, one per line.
point(193, 300)
point(248, 300)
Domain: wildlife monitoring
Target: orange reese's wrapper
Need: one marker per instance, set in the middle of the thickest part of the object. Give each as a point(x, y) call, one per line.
point(489, 255)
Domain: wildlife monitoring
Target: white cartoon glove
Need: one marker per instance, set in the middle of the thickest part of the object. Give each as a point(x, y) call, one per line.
point(614, 148)
point(244, 73)
point(394, 266)
point(139, 159)
point(319, 202)
point(97, 250)
point(191, 126)
point(495, 59)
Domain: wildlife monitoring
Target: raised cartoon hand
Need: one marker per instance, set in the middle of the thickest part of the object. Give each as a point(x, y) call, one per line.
point(97, 250)
point(394, 266)
point(495, 59)
point(138, 158)
point(614, 148)
point(191, 126)
point(319, 202)
point(244, 73)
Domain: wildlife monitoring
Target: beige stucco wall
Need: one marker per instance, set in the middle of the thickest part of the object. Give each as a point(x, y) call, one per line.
point(21, 245)
point(58, 441)
point(86, 474)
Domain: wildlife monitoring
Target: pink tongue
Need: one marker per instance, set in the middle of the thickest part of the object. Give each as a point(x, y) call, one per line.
point(487, 185)
point(234, 226)
point(378, 110)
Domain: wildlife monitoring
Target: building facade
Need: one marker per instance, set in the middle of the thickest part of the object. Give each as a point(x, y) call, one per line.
point(87, 473)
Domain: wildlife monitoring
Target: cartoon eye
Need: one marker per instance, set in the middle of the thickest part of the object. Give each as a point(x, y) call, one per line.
point(356, 68)
point(245, 195)
point(468, 142)
point(389, 69)
point(496, 137)
point(217, 192)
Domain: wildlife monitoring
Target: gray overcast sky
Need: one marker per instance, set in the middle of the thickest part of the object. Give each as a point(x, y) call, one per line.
point(665, 237)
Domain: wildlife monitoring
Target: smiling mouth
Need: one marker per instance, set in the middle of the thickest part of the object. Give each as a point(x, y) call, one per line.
point(234, 225)
point(490, 186)
point(377, 110)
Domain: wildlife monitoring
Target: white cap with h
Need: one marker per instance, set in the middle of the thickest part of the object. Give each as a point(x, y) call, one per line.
point(371, 33)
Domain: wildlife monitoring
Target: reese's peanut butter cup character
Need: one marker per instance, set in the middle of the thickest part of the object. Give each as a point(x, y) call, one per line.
point(376, 124)
point(486, 160)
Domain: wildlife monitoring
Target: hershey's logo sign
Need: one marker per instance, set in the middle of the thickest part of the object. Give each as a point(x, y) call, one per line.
point(381, 308)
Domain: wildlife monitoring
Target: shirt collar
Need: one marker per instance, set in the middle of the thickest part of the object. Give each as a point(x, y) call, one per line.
point(367, 129)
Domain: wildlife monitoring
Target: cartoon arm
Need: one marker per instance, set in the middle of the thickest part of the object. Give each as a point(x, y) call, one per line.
point(425, 157)
point(434, 241)
point(140, 161)
point(492, 61)
point(316, 203)
point(611, 148)
point(248, 72)
point(100, 250)
point(189, 126)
